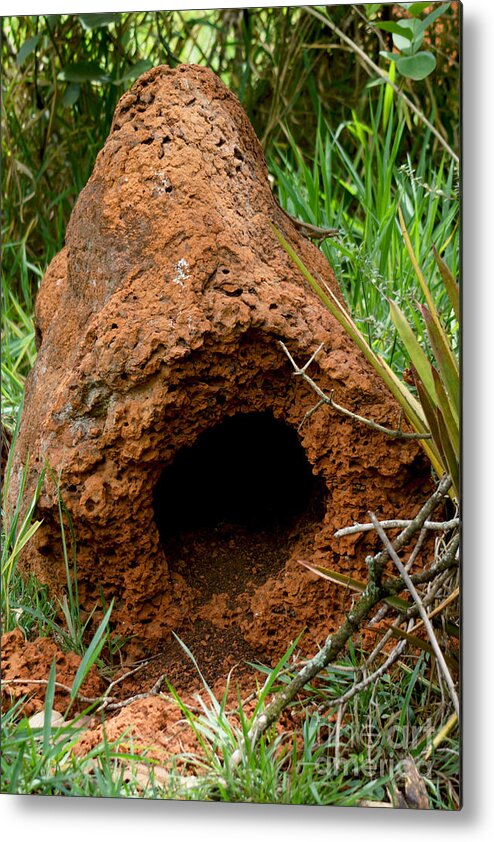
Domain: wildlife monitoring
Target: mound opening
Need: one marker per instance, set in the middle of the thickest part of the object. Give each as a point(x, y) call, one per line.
point(230, 509)
point(250, 471)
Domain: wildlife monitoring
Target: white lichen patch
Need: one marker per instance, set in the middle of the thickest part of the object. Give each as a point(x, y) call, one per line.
point(182, 273)
point(162, 184)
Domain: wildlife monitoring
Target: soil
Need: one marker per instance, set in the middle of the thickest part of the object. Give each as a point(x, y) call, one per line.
point(22, 659)
point(155, 726)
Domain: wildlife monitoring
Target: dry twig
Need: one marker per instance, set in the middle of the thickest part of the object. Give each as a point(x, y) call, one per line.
point(43, 682)
point(104, 702)
point(442, 526)
point(328, 401)
point(370, 679)
point(423, 614)
point(377, 589)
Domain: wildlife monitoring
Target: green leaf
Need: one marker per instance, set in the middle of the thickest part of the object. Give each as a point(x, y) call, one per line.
point(445, 407)
point(273, 675)
point(414, 9)
point(417, 355)
point(402, 41)
point(27, 48)
point(353, 584)
point(50, 695)
point(452, 459)
point(388, 55)
point(389, 95)
point(434, 15)
point(24, 536)
point(416, 267)
point(449, 283)
point(417, 66)
point(403, 28)
point(134, 71)
point(83, 71)
point(93, 21)
point(71, 95)
point(91, 654)
point(446, 363)
point(430, 414)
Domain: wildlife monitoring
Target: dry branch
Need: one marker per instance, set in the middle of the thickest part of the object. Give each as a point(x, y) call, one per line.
point(328, 401)
point(423, 614)
point(104, 702)
point(43, 682)
point(438, 526)
point(370, 679)
point(376, 590)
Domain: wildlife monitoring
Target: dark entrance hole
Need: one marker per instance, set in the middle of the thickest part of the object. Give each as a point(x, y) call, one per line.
point(249, 471)
point(229, 510)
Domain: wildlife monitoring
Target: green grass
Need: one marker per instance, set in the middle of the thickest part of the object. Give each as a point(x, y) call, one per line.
point(38, 760)
point(321, 762)
point(360, 196)
point(18, 348)
point(337, 159)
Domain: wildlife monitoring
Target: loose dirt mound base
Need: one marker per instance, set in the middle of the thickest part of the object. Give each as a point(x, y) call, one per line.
point(159, 328)
point(153, 727)
point(23, 660)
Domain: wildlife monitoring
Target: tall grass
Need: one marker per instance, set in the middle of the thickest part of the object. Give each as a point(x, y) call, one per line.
point(63, 74)
point(18, 347)
point(360, 195)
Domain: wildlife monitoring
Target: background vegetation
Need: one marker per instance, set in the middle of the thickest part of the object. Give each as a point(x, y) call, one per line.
point(344, 149)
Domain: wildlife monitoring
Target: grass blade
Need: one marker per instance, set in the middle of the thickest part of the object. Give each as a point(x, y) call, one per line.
point(449, 282)
point(445, 407)
point(451, 457)
point(50, 695)
point(91, 654)
point(353, 584)
point(417, 356)
point(444, 357)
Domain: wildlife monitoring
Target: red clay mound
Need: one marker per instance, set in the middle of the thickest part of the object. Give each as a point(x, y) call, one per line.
point(162, 397)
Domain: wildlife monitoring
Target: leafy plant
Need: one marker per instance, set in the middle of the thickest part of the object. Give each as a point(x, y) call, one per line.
point(438, 386)
point(434, 414)
point(354, 179)
point(408, 35)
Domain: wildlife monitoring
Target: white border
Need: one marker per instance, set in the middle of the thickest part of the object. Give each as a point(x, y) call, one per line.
point(44, 818)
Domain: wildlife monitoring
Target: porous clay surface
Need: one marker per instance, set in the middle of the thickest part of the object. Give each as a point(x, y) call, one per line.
point(160, 318)
point(26, 670)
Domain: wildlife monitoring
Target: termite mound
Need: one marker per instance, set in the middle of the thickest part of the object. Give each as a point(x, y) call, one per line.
point(194, 474)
